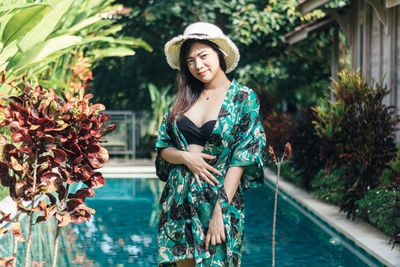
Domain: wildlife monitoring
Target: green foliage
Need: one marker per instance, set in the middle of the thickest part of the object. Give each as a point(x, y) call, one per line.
point(278, 128)
point(38, 38)
point(329, 186)
point(357, 135)
point(392, 170)
point(282, 76)
point(287, 172)
point(380, 206)
point(160, 103)
point(306, 144)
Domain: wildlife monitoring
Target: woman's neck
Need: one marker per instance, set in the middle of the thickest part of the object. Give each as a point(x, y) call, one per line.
point(220, 81)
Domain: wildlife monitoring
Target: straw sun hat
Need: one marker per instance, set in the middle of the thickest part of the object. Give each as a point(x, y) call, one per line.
point(203, 31)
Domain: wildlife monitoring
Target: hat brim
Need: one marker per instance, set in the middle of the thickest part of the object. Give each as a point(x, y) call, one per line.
point(173, 47)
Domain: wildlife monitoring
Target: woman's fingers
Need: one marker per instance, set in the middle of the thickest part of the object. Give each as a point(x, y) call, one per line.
point(205, 178)
point(208, 166)
point(218, 239)
point(198, 179)
point(213, 238)
point(208, 237)
point(223, 238)
point(211, 177)
point(207, 156)
point(214, 170)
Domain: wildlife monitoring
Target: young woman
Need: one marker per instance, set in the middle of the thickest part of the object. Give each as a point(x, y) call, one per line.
point(211, 147)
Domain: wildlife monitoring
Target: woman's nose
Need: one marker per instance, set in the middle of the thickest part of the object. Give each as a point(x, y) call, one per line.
point(199, 64)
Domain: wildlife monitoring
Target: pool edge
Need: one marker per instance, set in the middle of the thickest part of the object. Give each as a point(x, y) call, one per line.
point(362, 234)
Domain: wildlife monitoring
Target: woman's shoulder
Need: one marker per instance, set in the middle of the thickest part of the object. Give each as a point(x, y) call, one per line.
point(243, 92)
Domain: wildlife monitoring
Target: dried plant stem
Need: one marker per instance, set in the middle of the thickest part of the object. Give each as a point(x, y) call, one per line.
point(16, 242)
point(29, 241)
point(55, 252)
point(274, 219)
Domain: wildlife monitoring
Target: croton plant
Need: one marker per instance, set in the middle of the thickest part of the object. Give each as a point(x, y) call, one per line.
point(52, 143)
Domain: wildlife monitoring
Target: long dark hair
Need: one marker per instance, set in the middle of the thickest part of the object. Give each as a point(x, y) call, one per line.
point(190, 88)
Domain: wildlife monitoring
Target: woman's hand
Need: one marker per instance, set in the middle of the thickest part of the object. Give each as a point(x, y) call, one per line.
point(195, 162)
point(216, 228)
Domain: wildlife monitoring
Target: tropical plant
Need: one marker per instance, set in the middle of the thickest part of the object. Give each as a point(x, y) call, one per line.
point(55, 142)
point(39, 39)
point(380, 206)
point(306, 160)
point(296, 75)
point(357, 135)
point(329, 186)
point(160, 103)
point(278, 128)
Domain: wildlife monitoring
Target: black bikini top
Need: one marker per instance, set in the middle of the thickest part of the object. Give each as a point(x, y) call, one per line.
point(194, 134)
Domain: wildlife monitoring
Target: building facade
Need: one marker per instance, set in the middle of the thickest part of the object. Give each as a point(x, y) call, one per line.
point(372, 28)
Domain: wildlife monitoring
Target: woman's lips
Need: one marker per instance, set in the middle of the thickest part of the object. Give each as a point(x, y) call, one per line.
point(203, 73)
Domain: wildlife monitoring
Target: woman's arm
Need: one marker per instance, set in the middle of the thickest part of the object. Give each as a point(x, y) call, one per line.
point(194, 161)
point(232, 180)
point(173, 155)
point(216, 229)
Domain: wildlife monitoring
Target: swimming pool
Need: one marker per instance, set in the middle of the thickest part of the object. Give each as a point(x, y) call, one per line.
point(123, 231)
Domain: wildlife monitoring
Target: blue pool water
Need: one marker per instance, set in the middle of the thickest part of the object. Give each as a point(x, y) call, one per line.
point(123, 232)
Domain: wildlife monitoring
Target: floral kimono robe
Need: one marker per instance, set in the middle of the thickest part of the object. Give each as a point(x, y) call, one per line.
point(238, 139)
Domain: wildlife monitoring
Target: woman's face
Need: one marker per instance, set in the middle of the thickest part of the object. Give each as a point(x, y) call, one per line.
point(203, 62)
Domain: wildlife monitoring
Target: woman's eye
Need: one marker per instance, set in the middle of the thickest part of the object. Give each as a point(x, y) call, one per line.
point(203, 56)
point(190, 61)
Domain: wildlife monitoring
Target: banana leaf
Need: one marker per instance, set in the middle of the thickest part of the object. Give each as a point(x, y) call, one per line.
point(112, 52)
point(23, 21)
point(45, 27)
point(43, 50)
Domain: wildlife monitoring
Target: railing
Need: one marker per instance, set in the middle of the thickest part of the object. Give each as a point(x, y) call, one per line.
point(123, 140)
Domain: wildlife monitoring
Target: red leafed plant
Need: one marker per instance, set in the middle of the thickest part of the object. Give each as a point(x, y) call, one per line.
point(55, 142)
point(278, 162)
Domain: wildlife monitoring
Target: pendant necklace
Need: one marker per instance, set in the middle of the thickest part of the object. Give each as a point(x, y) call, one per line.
point(207, 96)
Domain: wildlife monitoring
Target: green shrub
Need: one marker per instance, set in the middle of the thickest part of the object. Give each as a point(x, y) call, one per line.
point(306, 145)
point(278, 128)
point(357, 134)
point(380, 206)
point(288, 172)
point(329, 186)
point(392, 171)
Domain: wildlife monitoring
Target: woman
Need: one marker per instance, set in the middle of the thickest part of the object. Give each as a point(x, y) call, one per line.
point(210, 148)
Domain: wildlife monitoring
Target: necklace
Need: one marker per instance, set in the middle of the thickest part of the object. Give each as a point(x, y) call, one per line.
point(208, 96)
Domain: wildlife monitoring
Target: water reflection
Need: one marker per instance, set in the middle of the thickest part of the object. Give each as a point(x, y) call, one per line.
point(124, 230)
